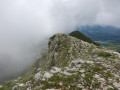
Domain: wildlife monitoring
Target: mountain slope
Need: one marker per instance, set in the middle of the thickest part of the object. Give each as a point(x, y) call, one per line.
point(71, 64)
point(81, 36)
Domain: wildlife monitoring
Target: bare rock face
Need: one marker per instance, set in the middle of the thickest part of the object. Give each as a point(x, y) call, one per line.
point(63, 48)
point(71, 64)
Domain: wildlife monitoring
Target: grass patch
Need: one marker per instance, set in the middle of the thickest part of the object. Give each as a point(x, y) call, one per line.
point(104, 54)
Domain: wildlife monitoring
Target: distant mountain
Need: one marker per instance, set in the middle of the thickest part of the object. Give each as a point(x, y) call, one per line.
point(107, 36)
point(81, 36)
point(103, 33)
point(69, 63)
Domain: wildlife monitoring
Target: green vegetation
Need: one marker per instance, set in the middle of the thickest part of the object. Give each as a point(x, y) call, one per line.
point(81, 36)
point(107, 55)
point(104, 54)
point(112, 89)
point(65, 81)
point(110, 44)
point(90, 49)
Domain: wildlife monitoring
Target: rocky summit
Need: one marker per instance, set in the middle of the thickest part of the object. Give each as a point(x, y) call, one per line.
point(69, 63)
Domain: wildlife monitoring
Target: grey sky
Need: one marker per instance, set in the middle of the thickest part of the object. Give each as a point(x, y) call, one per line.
point(25, 23)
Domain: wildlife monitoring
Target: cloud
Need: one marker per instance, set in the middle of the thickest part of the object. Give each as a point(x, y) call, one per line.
point(24, 24)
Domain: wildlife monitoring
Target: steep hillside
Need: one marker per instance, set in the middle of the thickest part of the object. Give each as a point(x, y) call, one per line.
point(81, 36)
point(69, 63)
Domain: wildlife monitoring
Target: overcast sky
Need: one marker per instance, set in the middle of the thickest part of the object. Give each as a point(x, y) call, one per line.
point(25, 23)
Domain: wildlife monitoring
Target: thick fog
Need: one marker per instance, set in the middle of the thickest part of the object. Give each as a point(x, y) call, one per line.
point(25, 24)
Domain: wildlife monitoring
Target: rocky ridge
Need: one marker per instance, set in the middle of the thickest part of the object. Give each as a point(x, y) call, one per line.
point(71, 64)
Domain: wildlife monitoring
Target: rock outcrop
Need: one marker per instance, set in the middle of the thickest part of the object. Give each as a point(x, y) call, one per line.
point(71, 64)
